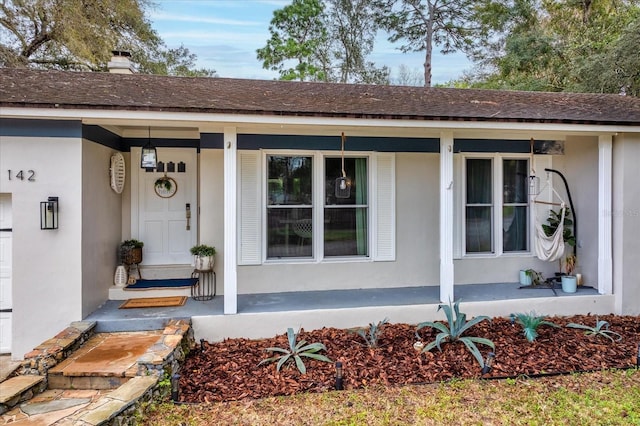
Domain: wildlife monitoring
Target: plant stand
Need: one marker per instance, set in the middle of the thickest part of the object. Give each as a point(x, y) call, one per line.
point(205, 287)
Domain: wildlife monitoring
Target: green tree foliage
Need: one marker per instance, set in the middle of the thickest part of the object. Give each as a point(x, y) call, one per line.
point(560, 45)
point(297, 33)
point(80, 35)
point(352, 30)
point(423, 24)
point(323, 41)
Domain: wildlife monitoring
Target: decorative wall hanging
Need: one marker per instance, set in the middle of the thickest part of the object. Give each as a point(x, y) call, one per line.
point(165, 186)
point(117, 172)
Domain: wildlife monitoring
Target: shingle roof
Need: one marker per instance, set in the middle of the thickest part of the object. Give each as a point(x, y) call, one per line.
point(86, 90)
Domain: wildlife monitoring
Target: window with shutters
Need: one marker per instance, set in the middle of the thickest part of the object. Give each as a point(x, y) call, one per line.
point(292, 207)
point(496, 205)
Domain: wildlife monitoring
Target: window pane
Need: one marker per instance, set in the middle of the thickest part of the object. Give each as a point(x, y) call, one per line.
point(289, 180)
point(356, 171)
point(345, 229)
point(514, 222)
point(345, 232)
point(479, 181)
point(289, 232)
point(478, 229)
point(515, 181)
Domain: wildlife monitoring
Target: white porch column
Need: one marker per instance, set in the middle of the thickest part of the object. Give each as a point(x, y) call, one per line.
point(230, 221)
point(446, 217)
point(605, 216)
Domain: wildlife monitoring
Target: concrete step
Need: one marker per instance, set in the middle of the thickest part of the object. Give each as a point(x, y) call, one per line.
point(19, 389)
point(156, 272)
point(119, 293)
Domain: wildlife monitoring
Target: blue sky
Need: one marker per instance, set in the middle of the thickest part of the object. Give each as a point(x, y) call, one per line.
point(225, 34)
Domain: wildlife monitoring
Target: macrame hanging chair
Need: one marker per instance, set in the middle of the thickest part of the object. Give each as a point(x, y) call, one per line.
point(549, 247)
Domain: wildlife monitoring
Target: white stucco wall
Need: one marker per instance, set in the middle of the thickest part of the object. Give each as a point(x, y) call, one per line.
point(580, 166)
point(101, 226)
point(417, 230)
point(47, 269)
point(211, 218)
point(626, 223)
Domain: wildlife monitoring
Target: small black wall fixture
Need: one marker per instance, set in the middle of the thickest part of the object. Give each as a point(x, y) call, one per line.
point(49, 213)
point(149, 155)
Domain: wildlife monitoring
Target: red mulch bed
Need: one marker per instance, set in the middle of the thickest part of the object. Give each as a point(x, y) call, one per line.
point(229, 370)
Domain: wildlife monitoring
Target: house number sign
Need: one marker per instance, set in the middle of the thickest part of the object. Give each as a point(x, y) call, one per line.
point(29, 175)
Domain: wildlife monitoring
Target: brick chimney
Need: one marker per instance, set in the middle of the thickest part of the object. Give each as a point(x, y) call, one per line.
point(120, 62)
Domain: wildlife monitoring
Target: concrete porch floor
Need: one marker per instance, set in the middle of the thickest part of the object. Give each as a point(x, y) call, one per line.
point(267, 314)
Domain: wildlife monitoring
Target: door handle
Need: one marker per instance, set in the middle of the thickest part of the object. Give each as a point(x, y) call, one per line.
point(188, 215)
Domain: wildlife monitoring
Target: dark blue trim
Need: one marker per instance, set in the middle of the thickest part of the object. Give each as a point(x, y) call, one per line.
point(102, 136)
point(353, 143)
point(162, 142)
point(502, 145)
point(212, 140)
point(28, 127)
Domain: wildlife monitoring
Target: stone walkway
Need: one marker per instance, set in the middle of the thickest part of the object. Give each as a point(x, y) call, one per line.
point(104, 378)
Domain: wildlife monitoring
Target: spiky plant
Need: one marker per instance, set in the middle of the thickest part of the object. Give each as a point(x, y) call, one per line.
point(371, 334)
point(453, 331)
point(601, 329)
point(530, 323)
point(295, 352)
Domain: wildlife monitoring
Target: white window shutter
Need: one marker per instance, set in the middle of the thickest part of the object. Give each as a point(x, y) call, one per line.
point(249, 208)
point(385, 204)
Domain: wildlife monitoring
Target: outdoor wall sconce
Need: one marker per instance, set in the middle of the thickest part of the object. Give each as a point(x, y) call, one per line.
point(175, 387)
point(49, 213)
point(149, 156)
point(488, 364)
point(339, 383)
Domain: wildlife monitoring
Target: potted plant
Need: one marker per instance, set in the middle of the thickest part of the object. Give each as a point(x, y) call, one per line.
point(530, 277)
point(204, 257)
point(131, 252)
point(569, 282)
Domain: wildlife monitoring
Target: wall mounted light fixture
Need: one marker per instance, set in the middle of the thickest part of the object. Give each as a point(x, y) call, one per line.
point(49, 213)
point(149, 156)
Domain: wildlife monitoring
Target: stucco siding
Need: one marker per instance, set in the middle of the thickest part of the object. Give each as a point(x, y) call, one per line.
point(47, 264)
point(626, 223)
point(417, 258)
point(211, 218)
point(101, 226)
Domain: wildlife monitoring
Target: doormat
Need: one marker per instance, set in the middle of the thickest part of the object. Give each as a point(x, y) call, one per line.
point(164, 284)
point(154, 302)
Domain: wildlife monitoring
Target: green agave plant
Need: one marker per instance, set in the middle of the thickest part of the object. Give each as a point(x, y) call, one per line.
point(371, 334)
point(601, 329)
point(530, 323)
point(456, 325)
point(295, 352)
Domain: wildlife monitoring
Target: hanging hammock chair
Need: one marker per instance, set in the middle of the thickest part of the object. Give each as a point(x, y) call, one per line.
point(549, 247)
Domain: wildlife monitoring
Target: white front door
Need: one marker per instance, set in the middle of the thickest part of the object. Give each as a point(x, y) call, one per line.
point(6, 303)
point(163, 225)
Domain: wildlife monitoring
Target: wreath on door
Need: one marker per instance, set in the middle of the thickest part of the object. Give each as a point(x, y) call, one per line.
point(165, 187)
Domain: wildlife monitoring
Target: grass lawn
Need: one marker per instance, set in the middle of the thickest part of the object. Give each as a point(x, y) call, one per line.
point(600, 398)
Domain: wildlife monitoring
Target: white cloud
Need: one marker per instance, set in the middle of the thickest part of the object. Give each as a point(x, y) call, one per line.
point(162, 16)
